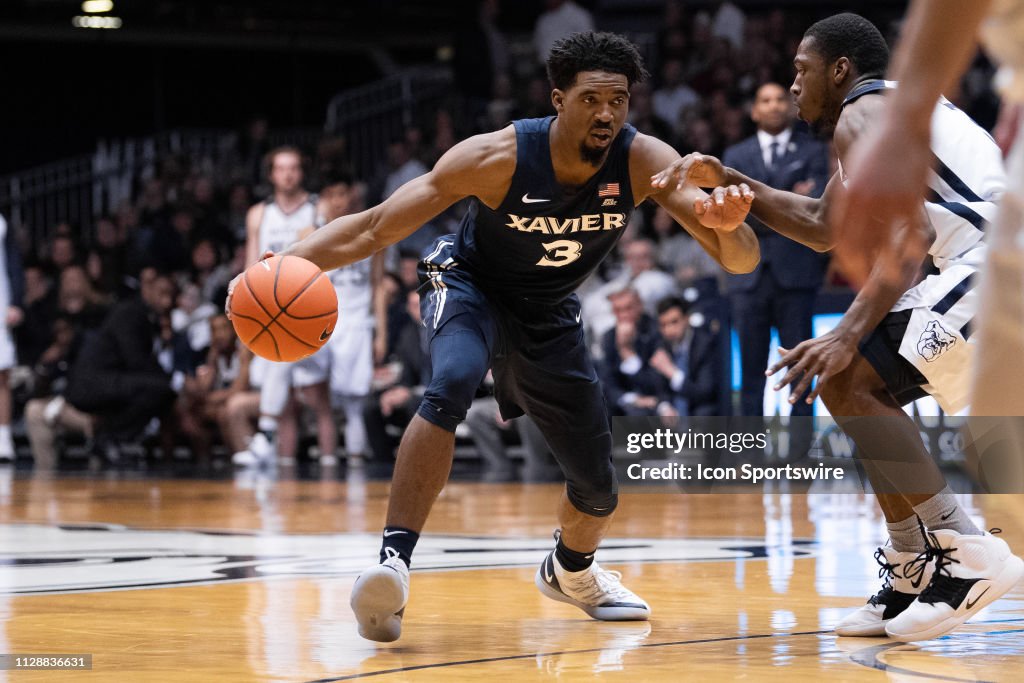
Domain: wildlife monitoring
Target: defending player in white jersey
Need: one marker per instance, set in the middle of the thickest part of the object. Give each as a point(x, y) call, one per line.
point(901, 338)
point(937, 43)
point(273, 225)
point(347, 357)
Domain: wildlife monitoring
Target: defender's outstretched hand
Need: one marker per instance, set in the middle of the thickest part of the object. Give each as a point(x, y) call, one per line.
point(701, 170)
point(725, 208)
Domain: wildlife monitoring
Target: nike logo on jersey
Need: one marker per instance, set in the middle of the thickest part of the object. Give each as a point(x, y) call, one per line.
point(972, 603)
point(549, 225)
point(528, 200)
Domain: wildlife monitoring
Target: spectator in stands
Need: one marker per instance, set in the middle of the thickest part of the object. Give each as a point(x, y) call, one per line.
point(690, 359)
point(48, 415)
point(206, 272)
point(641, 113)
point(640, 275)
point(631, 386)
point(780, 292)
point(239, 201)
point(674, 96)
point(63, 252)
point(192, 315)
point(727, 22)
point(79, 301)
point(561, 18)
point(679, 254)
point(203, 402)
point(34, 333)
point(105, 262)
point(12, 296)
point(537, 100)
point(487, 430)
point(125, 375)
point(402, 164)
point(396, 401)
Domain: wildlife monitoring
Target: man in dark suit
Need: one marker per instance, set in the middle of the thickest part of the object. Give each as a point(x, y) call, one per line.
point(631, 386)
point(130, 370)
point(690, 358)
point(780, 291)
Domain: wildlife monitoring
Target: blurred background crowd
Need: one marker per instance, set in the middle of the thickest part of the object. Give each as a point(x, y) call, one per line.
point(123, 350)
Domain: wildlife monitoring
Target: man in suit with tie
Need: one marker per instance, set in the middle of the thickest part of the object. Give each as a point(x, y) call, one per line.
point(690, 358)
point(780, 291)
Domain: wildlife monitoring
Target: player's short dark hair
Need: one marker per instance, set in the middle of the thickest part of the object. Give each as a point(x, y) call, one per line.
point(594, 51)
point(854, 37)
point(670, 302)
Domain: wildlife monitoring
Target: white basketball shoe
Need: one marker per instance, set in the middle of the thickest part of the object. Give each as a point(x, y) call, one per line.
point(596, 591)
point(261, 450)
point(378, 600)
point(905, 574)
point(971, 572)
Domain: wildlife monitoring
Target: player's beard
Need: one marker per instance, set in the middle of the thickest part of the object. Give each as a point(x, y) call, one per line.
point(825, 124)
point(592, 155)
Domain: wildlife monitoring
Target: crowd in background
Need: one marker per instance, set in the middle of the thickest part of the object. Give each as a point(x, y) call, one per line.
point(144, 288)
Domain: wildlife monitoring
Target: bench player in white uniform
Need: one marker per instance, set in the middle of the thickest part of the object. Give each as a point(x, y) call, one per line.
point(273, 225)
point(348, 354)
point(898, 340)
point(12, 287)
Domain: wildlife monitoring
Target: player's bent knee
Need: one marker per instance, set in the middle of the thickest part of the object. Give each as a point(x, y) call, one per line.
point(592, 502)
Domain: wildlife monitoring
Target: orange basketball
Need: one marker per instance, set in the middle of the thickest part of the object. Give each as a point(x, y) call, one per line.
point(284, 308)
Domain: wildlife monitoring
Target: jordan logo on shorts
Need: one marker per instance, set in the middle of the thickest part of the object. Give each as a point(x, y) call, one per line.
point(934, 341)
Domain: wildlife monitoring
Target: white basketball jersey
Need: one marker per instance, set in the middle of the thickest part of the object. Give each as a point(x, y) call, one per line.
point(967, 181)
point(279, 230)
point(354, 289)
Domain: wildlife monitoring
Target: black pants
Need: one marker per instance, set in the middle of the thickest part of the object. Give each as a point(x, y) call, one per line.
point(124, 402)
point(754, 313)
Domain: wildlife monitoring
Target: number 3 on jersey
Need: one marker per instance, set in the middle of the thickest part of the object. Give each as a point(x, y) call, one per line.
point(560, 253)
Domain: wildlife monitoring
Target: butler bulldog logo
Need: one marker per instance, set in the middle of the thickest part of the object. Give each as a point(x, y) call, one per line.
point(935, 341)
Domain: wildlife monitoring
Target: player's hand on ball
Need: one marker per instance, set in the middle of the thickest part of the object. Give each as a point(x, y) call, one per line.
point(701, 170)
point(234, 283)
point(725, 208)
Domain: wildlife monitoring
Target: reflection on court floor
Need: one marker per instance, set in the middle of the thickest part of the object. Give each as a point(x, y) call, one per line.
point(249, 581)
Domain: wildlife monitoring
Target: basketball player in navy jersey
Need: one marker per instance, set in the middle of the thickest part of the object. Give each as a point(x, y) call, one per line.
point(550, 198)
point(902, 337)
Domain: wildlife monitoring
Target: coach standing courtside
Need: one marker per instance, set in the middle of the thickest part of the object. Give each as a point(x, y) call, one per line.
point(780, 291)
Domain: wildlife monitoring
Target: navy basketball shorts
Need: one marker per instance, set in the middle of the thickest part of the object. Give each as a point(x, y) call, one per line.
point(541, 368)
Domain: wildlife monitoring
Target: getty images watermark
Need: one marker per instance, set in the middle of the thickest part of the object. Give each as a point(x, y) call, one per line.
point(687, 439)
point(726, 454)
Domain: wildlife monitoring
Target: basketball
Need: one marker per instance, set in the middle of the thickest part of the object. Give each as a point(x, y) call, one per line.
point(284, 308)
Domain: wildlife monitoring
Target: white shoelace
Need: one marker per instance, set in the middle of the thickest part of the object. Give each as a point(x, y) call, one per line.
point(598, 585)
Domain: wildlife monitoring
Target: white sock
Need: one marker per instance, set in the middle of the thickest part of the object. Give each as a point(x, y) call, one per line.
point(267, 423)
point(5, 433)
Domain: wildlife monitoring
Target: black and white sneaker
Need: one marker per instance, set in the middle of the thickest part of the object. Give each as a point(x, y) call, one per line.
point(905, 575)
point(597, 592)
point(971, 572)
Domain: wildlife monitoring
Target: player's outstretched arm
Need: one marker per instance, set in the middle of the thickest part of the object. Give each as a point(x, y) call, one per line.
point(889, 166)
point(800, 218)
point(716, 224)
point(476, 166)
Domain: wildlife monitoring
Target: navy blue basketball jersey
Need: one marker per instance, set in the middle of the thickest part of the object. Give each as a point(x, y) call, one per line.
point(544, 241)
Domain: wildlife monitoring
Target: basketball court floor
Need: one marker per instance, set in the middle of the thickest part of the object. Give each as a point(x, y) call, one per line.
point(249, 579)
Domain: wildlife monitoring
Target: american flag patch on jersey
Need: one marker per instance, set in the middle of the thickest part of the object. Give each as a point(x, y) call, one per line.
point(608, 190)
